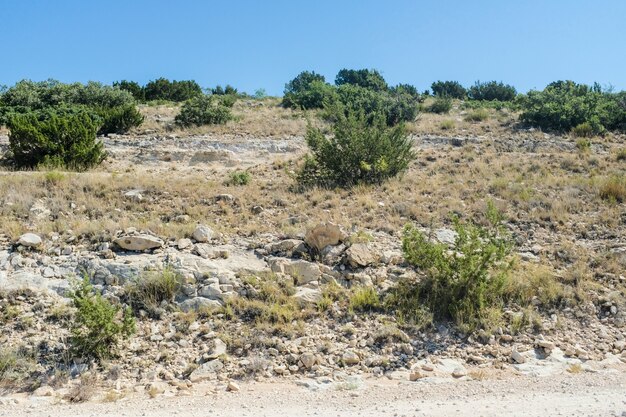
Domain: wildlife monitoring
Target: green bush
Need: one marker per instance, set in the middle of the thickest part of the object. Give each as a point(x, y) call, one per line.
point(229, 90)
point(465, 283)
point(307, 91)
point(360, 151)
point(364, 299)
point(164, 89)
point(203, 110)
point(478, 115)
point(451, 89)
point(366, 78)
point(441, 105)
point(98, 325)
point(151, 289)
point(57, 138)
point(239, 178)
point(583, 130)
point(491, 91)
point(132, 87)
point(564, 105)
point(119, 119)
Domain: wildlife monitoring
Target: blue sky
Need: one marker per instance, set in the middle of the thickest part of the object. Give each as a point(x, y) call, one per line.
point(263, 44)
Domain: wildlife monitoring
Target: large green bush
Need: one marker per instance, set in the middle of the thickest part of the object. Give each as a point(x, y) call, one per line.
point(464, 283)
point(563, 105)
point(366, 78)
point(491, 90)
point(360, 151)
point(307, 91)
point(65, 137)
point(119, 119)
point(204, 110)
point(451, 89)
point(164, 89)
point(98, 325)
point(132, 87)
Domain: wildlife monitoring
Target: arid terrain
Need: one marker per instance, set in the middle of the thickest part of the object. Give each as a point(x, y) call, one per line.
point(261, 326)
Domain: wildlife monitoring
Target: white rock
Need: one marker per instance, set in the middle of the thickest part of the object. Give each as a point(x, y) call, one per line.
point(30, 240)
point(517, 357)
point(138, 242)
point(322, 235)
point(202, 233)
point(306, 295)
point(350, 358)
point(359, 255)
point(206, 371)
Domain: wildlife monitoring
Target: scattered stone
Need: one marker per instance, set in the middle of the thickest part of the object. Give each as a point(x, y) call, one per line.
point(308, 360)
point(43, 391)
point(202, 233)
point(359, 255)
point(29, 240)
point(415, 375)
point(350, 358)
point(517, 357)
point(206, 371)
point(138, 242)
point(306, 295)
point(232, 387)
point(322, 235)
point(459, 372)
point(184, 243)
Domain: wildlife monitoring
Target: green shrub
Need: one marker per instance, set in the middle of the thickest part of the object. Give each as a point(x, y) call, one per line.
point(465, 284)
point(621, 155)
point(239, 178)
point(478, 115)
point(307, 91)
point(366, 78)
point(451, 89)
point(583, 145)
point(364, 299)
point(164, 89)
point(583, 130)
point(360, 151)
point(63, 138)
point(148, 291)
point(447, 125)
point(203, 110)
point(441, 105)
point(98, 325)
point(491, 91)
point(229, 90)
point(132, 87)
point(119, 119)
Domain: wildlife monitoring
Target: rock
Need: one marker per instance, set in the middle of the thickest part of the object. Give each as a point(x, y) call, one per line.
point(306, 295)
point(206, 371)
point(184, 243)
point(459, 372)
point(138, 242)
point(134, 195)
point(546, 344)
point(446, 236)
point(287, 246)
point(308, 360)
point(303, 271)
point(202, 233)
point(322, 235)
point(156, 388)
point(219, 349)
point(211, 291)
point(350, 358)
point(517, 357)
point(29, 240)
point(44, 391)
point(199, 304)
point(359, 255)
point(232, 387)
point(415, 375)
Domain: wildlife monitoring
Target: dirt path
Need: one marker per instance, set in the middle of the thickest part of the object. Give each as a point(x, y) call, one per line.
point(563, 395)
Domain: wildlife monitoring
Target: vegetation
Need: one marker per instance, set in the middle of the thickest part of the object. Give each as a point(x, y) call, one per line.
point(239, 178)
point(369, 79)
point(150, 290)
point(441, 105)
point(614, 189)
point(364, 299)
point(360, 151)
point(164, 89)
point(98, 325)
point(490, 91)
point(477, 115)
point(451, 89)
point(307, 91)
point(63, 138)
point(205, 110)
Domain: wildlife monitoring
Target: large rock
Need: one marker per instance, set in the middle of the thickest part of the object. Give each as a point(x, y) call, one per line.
point(138, 242)
point(25, 280)
point(350, 358)
point(199, 304)
point(359, 255)
point(202, 233)
point(306, 295)
point(322, 235)
point(30, 240)
point(206, 371)
point(302, 271)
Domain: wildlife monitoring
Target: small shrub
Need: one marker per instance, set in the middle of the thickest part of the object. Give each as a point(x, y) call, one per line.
point(364, 299)
point(465, 283)
point(359, 152)
point(583, 130)
point(491, 91)
point(451, 89)
point(614, 189)
point(54, 178)
point(447, 125)
point(151, 289)
point(583, 145)
point(63, 138)
point(621, 155)
point(441, 105)
point(98, 325)
point(16, 367)
point(239, 178)
point(203, 110)
point(119, 119)
point(132, 87)
point(478, 115)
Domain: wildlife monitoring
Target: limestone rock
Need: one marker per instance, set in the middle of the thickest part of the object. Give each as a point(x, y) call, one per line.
point(351, 358)
point(202, 233)
point(359, 255)
point(303, 271)
point(138, 242)
point(322, 235)
point(308, 360)
point(232, 387)
point(517, 357)
point(207, 370)
point(199, 304)
point(29, 240)
point(306, 295)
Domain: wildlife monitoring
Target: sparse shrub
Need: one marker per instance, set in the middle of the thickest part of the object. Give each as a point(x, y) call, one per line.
point(228, 100)
point(614, 189)
point(583, 130)
point(203, 110)
point(451, 89)
point(441, 105)
point(63, 138)
point(583, 145)
point(366, 78)
point(164, 89)
point(478, 115)
point(16, 367)
point(119, 119)
point(490, 91)
point(98, 325)
point(447, 125)
point(260, 93)
point(54, 178)
point(621, 155)
point(229, 90)
point(151, 289)
point(358, 152)
point(239, 178)
point(364, 299)
point(464, 283)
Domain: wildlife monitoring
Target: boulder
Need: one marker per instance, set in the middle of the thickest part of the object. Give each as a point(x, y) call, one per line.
point(351, 358)
point(29, 240)
point(138, 242)
point(306, 295)
point(322, 235)
point(517, 357)
point(359, 255)
point(199, 304)
point(303, 271)
point(202, 233)
point(206, 371)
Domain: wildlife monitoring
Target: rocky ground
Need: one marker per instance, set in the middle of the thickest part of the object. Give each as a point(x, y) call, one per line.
point(162, 202)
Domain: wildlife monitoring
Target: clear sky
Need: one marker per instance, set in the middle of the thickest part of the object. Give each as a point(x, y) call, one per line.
point(265, 43)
